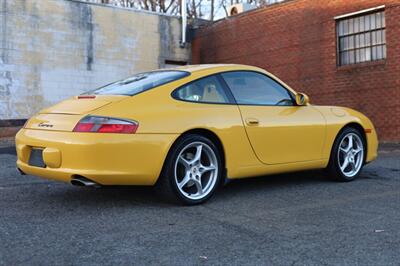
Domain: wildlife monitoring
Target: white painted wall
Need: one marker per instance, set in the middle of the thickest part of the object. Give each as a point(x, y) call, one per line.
point(53, 49)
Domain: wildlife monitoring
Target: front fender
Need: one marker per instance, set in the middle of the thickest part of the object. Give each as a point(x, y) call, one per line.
point(338, 118)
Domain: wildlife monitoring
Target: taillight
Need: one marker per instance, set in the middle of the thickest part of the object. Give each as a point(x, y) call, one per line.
point(86, 97)
point(102, 124)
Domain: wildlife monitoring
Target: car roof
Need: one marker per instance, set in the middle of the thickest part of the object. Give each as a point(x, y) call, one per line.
point(215, 67)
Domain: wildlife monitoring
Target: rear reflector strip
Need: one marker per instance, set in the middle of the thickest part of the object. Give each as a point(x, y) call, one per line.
point(86, 97)
point(368, 130)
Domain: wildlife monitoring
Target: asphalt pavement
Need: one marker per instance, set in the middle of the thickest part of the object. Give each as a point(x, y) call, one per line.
point(294, 219)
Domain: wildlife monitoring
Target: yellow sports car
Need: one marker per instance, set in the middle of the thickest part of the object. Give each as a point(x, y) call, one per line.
point(188, 130)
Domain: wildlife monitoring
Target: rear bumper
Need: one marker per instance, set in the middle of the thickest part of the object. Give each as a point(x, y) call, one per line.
point(107, 159)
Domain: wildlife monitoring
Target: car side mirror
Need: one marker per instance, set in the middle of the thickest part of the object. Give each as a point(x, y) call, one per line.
point(302, 99)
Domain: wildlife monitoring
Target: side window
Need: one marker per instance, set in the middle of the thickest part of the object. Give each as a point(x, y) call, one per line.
point(206, 90)
point(255, 88)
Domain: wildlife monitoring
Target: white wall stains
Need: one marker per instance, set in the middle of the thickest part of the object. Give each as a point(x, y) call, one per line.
point(53, 49)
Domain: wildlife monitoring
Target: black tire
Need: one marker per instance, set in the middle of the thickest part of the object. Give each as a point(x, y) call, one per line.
point(167, 186)
point(334, 170)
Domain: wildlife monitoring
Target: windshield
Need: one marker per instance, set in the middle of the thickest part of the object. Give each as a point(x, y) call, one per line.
point(140, 82)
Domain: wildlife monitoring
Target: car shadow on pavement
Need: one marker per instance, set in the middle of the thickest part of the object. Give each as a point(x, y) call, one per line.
point(279, 180)
point(146, 196)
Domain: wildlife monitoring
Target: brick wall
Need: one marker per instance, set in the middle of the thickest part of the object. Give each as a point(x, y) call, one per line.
point(296, 40)
point(53, 49)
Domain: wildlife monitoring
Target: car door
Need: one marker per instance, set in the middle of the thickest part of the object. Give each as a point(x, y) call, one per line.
point(279, 131)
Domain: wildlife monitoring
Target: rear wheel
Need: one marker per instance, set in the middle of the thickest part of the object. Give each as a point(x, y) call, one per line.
point(347, 156)
point(192, 170)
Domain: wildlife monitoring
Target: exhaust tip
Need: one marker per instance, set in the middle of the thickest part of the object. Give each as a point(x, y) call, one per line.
point(20, 171)
point(81, 181)
point(77, 182)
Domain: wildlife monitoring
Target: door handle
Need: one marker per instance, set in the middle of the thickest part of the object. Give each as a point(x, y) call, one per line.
point(252, 121)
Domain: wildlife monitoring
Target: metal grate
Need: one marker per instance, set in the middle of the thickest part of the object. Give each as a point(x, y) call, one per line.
point(361, 39)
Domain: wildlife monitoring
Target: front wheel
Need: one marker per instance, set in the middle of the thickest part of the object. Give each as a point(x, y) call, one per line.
point(347, 156)
point(192, 170)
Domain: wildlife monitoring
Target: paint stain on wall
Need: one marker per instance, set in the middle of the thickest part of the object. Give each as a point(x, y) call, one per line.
point(88, 27)
point(81, 17)
point(5, 83)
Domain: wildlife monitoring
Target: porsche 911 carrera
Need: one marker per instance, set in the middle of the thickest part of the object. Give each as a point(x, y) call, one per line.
point(188, 130)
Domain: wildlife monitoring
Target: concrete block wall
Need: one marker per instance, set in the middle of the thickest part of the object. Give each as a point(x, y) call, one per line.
point(53, 49)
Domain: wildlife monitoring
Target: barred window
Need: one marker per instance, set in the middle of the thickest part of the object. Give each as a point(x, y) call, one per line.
point(361, 38)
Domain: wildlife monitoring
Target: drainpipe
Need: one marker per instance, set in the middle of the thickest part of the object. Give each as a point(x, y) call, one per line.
point(184, 22)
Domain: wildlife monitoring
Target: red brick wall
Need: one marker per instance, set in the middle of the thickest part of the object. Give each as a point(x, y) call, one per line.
point(296, 40)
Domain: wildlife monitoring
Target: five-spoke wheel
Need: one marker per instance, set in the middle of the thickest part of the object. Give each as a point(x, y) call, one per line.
point(196, 170)
point(192, 170)
point(347, 156)
point(351, 154)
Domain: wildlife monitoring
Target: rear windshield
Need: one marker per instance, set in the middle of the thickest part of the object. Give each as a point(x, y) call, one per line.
point(140, 82)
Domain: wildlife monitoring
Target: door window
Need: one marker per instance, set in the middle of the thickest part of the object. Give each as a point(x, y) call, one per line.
point(252, 88)
point(205, 90)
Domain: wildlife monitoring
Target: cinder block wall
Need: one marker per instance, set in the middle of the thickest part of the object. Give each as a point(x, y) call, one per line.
point(296, 40)
point(53, 49)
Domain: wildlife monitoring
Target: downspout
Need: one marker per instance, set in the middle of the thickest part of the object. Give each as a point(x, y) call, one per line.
point(184, 22)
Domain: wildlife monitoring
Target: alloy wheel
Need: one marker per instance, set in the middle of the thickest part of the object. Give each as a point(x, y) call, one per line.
point(196, 170)
point(350, 154)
